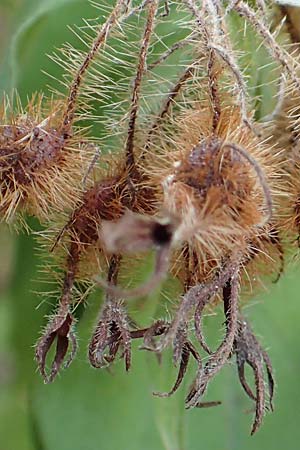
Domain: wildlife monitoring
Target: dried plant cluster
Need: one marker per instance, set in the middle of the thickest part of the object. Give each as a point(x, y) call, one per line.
point(181, 167)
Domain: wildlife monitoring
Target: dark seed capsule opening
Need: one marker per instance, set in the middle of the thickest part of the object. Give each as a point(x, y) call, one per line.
point(162, 234)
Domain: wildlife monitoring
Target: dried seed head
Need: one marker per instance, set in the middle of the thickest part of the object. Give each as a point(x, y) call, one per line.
point(216, 185)
point(103, 203)
point(41, 167)
point(43, 158)
point(201, 167)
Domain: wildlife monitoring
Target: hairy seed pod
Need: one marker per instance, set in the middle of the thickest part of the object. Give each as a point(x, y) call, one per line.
point(42, 167)
point(201, 188)
point(43, 155)
point(215, 184)
point(105, 201)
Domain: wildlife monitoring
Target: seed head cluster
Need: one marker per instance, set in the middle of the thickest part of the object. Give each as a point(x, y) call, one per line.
point(181, 168)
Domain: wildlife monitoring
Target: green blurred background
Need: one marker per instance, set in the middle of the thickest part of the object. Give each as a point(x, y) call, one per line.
point(86, 409)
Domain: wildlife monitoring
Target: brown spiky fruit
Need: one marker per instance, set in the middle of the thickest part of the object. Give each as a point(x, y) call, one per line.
point(199, 187)
point(217, 185)
point(44, 155)
point(42, 168)
point(219, 188)
point(282, 129)
point(106, 200)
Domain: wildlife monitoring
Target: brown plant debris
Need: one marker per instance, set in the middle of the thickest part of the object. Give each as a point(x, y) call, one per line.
point(181, 168)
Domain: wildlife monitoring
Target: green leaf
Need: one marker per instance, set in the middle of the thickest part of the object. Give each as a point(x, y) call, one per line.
point(44, 30)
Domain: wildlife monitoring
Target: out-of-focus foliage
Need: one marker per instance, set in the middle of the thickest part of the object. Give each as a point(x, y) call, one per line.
point(87, 409)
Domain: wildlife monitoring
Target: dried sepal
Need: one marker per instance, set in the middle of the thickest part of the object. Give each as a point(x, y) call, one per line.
point(199, 294)
point(158, 328)
point(112, 330)
point(61, 325)
point(59, 328)
point(249, 351)
point(198, 325)
point(111, 333)
point(182, 351)
point(183, 356)
point(218, 358)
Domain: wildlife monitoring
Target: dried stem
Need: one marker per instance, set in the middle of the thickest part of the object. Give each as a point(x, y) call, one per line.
point(99, 41)
point(188, 73)
point(271, 45)
point(213, 90)
point(172, 49)
point(211, 42)
point(276, 241)
point(280, 101)
point(211, 70)
point(129, 147)
point(242, 88)
point(91, 166)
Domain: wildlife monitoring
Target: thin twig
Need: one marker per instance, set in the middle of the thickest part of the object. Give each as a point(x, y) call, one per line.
point(272, 46)
point(242, 87)
point(213, 42)
point(100, 40)
point(91, 166)
point(129, 146)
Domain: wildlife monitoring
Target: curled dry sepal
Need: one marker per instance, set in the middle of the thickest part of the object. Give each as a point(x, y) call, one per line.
point(248, 350)
point(200, 184)
point(113, 330)
point(60, 328)
point(112, 333)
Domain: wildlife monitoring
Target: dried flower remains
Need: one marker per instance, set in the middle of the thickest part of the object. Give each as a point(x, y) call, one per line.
point(182, 169)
